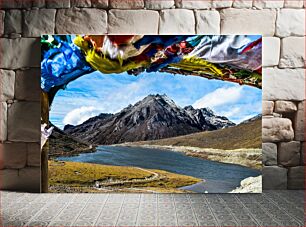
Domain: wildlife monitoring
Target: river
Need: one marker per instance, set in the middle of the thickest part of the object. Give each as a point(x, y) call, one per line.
point(218, 177)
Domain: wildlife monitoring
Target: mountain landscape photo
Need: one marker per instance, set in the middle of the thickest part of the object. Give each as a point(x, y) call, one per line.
point(159, 127)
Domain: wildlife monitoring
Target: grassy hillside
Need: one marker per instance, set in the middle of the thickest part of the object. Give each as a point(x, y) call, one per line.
point(247, 135)
point(61, 144)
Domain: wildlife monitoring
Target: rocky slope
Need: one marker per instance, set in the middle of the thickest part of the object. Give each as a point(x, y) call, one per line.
point(154, 117)
point(61, 144)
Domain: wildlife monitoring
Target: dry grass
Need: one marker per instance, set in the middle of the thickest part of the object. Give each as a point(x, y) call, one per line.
point(74, 174)
point(246, 135)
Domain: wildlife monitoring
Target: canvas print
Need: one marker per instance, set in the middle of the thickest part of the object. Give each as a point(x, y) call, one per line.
point(152, 113)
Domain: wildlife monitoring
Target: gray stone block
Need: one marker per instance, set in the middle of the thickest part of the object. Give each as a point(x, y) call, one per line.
point(267, 107)
point(153, 4)
point(191, 4)
point(296, 176)
point(274, 177)
point(27, 85)
point(290, 22)
point(303, 160)
point(25, 180)
point(3, 121)
point(24, 122)
point(277, 129)
point(39, 3)
point(285, 106)
point(299, 122)
point(283, 84)
point(24, 52)
point(38, 22)
point(81, 21)
point(55, 4)
point(126, 4)
point(133, 22)
point(2, 15)
point(269, 154)
point(293, 52)
point(34, 154)
point(207, 22)
point(13, 155)
point(177, 21)
point(13, 21)
point(7, 85)
point(15, 4)
point(289, 153)
point(248, 21)
point(80, 3)
point(99, 3)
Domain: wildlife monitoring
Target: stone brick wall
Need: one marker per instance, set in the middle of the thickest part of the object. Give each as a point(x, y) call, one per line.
point(281, 22)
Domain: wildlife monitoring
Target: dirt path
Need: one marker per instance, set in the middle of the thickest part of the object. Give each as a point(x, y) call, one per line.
point(153, 177)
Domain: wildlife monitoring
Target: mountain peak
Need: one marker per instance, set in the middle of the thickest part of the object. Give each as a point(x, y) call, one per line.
point(154, 117)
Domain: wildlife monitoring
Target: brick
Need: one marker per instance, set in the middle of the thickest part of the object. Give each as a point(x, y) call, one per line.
point(261, 4)
point(99, 3)
point(133, 22)
point(80, 3)
point(126, 4)
point(293, 52)
point(3, 121)
point(7, 84)
point(248, 21)
point(267, 107)
point(283, 84)
point(296, 178)
point(2, 15)
point(293, 4)
point(290, 22)
point(13, 21)
point(25, 180)
point(270, 51)
point(277, 129)
point(55, 4)
point(24, 52)
point(13, 155)
point(159, 4)
point(34, 154)
point(299, 122)
point(221, 4)
point(269, 154)
point(207, 22)
point(81, 21)
point(24, 122)
point(242, 4)
point(191, 4)
point(177, 21)
point(38, 22)
point(27, 85)
point(289, 154)
point(274, 177)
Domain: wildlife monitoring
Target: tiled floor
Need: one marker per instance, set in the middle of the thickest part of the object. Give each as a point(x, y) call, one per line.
point(272, 208)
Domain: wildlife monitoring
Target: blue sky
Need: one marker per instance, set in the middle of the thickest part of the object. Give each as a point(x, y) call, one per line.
point(99, 93)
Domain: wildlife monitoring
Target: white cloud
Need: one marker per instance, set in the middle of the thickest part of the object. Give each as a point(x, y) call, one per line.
point(79, 115)
point(220, 96)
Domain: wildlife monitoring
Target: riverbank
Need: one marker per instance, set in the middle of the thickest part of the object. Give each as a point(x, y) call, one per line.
point(73, 177)
point(247, 157)
point(250, 185)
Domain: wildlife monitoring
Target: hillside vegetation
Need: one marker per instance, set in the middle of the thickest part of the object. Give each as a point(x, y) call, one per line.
point(81, 177)
point(246, 135)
